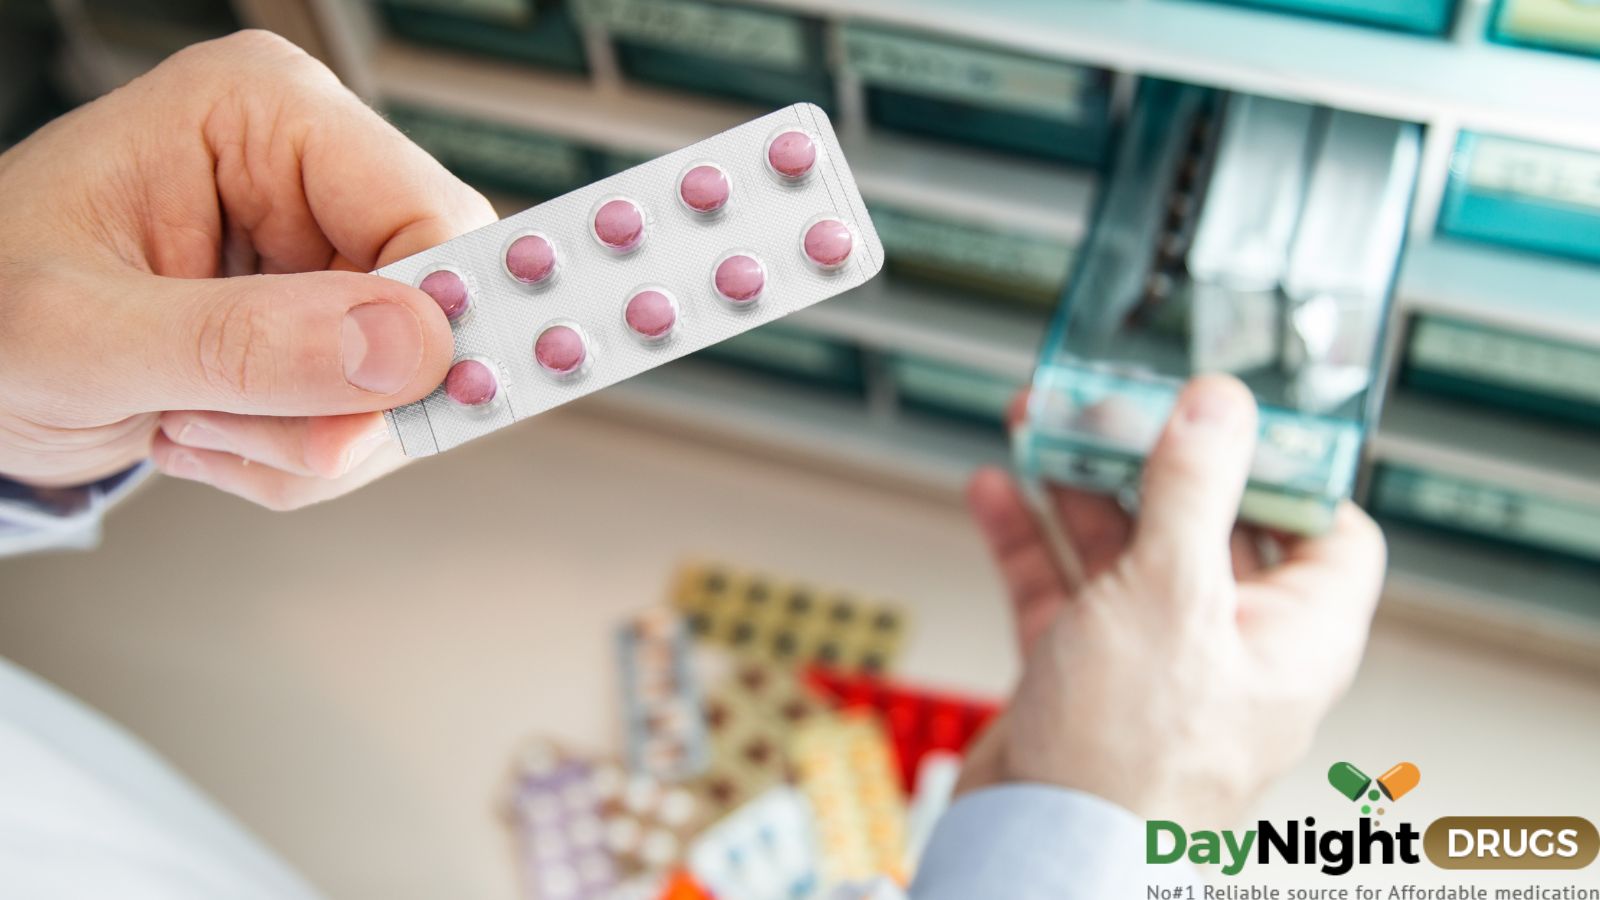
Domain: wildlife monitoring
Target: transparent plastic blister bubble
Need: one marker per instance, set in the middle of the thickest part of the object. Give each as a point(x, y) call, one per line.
point(1238, 235)
point(562, 330)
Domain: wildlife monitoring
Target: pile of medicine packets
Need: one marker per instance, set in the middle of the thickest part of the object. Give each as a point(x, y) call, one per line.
point(636, 270)
point(746, 770)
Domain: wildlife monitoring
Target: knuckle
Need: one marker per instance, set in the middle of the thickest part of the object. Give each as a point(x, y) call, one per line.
point(231, 354)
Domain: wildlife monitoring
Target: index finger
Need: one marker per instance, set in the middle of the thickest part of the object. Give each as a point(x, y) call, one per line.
point(317, 178)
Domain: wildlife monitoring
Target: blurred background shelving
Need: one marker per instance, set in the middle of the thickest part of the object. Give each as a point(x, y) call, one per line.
point(977, 132)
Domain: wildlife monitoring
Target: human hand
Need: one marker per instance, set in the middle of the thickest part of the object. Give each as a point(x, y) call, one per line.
point(120, 339)
point(1184, 674)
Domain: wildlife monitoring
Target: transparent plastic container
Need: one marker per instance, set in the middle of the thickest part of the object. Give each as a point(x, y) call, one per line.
point(1124, 339)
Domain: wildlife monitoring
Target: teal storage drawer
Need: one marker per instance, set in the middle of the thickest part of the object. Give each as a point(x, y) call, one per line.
point(729, 50)
point(1522, 194)
point(1571, 26)
point(1497, 513)
point(980, 95)
point(1011, 265)
point(533, 31)
point(971, 395)
point(1520, 372)
point(497, 157)
point(1430, 17)
point(794, 354)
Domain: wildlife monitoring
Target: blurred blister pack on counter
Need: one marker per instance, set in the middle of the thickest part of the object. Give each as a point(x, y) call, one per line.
point(1237, 234)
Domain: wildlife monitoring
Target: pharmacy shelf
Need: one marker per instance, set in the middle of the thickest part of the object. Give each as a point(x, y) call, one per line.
point(966, 331)
point(1502, 595)
point(1035, 198)
point(1523, 292)
point(1464, 82)
point(832, 431)
point(1483, 444)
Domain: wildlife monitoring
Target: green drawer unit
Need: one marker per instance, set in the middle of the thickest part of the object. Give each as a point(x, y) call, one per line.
point(1526, 195)
point(729, 50)
point(932, 386)
point(541, 32)
point(1021, 268)
point(1428, 17)
point(497, 157)
point(1492, 512)
point(980, 95)
point(1517, 371)
point(794, 354)
point(1569, 26)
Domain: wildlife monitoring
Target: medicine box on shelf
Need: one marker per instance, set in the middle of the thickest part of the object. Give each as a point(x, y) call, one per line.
point(1018, 266)
point(985, 96)
point(760, 55)
point(1430, 17)
point(1504, 368)
point(1572, 26)
point(496, 157)
point(1524, 194)
point(1498, 513)
point(541, 32)
point(933, 386)
point(1243, 234)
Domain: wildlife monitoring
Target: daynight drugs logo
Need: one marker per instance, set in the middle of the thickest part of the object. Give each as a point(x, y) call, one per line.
point(1453, 842)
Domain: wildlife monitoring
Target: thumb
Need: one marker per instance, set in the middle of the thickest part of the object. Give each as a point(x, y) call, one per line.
point(1194, 479)
point(311, 344)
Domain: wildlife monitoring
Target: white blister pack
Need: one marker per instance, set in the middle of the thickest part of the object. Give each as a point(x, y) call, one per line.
point(636, 270)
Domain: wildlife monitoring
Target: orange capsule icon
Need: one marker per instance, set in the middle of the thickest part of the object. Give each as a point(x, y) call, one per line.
point(1399, 780)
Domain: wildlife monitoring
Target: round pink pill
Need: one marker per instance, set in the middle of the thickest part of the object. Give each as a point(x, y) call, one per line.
point(828, 243)
point(704, 189)
point(530, 259)
point(470, 383)
point(619, 224)
point(740, 278)
point(449, 291)
point(559, 350)
point(650, 314)
point(792, 154)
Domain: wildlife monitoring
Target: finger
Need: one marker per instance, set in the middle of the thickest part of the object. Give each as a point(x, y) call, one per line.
point(1021, 552)
point(1342, 569)
point(324, 446)
point(1193, 481)
point(313, 174)
point(264, 485)
point(322, 343)
point(1096, 524)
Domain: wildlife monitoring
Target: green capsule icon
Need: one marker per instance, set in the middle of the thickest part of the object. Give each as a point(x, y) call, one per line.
point(1348, 780)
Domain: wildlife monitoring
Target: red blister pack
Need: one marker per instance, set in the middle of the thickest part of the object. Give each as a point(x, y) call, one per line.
point(918, 719)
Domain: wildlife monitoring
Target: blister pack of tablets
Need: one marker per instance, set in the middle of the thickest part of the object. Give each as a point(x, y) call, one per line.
point(788, 622)
point(663, 719)
point(636, 270)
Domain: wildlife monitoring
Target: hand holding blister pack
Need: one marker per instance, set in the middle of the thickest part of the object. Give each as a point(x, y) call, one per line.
point(637, 270)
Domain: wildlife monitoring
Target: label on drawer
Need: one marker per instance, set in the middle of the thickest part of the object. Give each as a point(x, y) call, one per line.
point(1004, 256)
point(1490, 510)
point(725, 32)
point(517, 12)
point(1500, 357)
point(979, 75)
point(1535, 171)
